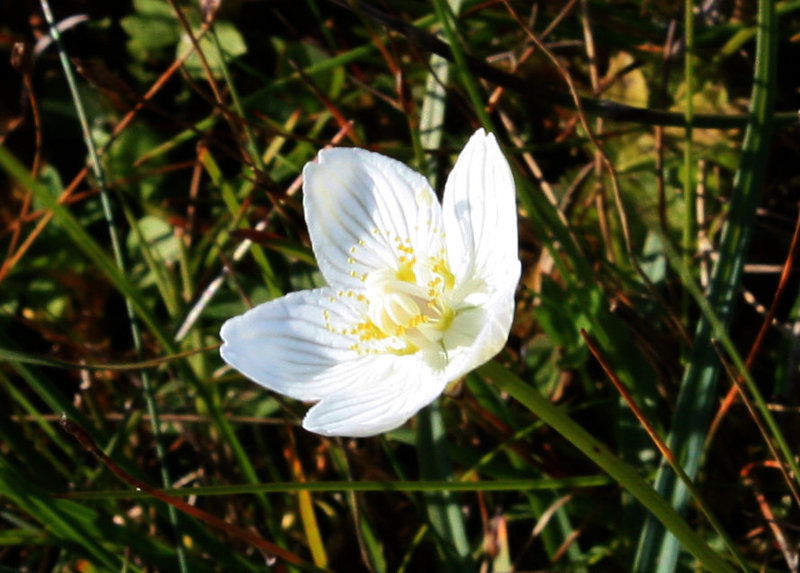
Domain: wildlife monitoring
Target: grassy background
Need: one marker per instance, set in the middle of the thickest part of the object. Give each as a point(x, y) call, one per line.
point(150, 162)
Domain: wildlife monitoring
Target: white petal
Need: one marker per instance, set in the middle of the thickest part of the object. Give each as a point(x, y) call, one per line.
point(480, 332)
point(388, 391)
point(480, 220)
point(362, 210)
point(480, 213)
point(287, 345)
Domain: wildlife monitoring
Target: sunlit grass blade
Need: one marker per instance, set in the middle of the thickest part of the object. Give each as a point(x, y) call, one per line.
point(305, 505)
point(496, 485)
point(8, 355)
point(624, 474)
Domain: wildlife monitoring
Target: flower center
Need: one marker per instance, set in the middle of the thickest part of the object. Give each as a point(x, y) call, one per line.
point(411, 304)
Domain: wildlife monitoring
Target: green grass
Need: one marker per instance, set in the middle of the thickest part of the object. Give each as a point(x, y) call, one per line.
point(144, 203)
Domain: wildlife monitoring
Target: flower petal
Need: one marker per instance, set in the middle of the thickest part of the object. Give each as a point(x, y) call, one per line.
point(480, 214)
point(480, 220)
point(364, 212)
point(478, 333)
point(297, 345)
point(294, 345)
point(389, 390)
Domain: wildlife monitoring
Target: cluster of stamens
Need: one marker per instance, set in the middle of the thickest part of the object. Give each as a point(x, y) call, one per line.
point(405, 308)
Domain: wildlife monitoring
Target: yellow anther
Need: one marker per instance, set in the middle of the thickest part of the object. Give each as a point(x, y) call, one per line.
point(406, 271)
point(441, 268)
point(405, 309)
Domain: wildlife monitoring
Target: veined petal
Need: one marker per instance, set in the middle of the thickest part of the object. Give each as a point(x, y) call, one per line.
point(298, 345)
point(367, 212)
point(294, 345)
point(480, 220)
point(478, 333)
point(389, 390)
point(480, 214)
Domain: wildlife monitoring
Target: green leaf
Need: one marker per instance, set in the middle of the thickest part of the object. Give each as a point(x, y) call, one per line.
point(231, 42)
point(152, 29)
point(159, 236)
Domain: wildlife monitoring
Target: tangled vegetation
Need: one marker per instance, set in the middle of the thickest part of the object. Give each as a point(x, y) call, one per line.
point(644, 412)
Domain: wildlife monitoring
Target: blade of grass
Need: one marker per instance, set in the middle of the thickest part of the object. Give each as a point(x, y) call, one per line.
point(546, 96)
point(595, 450)
point(273, 86)
point(522, 484)
point(657, 550)
point(211, 167)
point(119, 257)
point(122, 283)
point(165, 282)
point(54, 400)
point(44, 425)
point(256, 540)
point(305, 505)
point(75, 526)
point(8, 355)
point(372, 550)
point(666, 453)
point(85, 243)
point(689, 191)
point(432, 112)
point(447, 19)
point(720, 334)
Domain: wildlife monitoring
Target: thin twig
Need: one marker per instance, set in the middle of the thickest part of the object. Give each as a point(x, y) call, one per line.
point(663, 449)
point(789, 554)
point(788, 269)
point(736, 378)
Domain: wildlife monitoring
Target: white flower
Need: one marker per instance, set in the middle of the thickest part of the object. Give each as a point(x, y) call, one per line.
point(420, 293)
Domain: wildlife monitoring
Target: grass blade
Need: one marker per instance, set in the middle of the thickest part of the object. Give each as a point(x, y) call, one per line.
point(624, 474)
point(657, 549)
